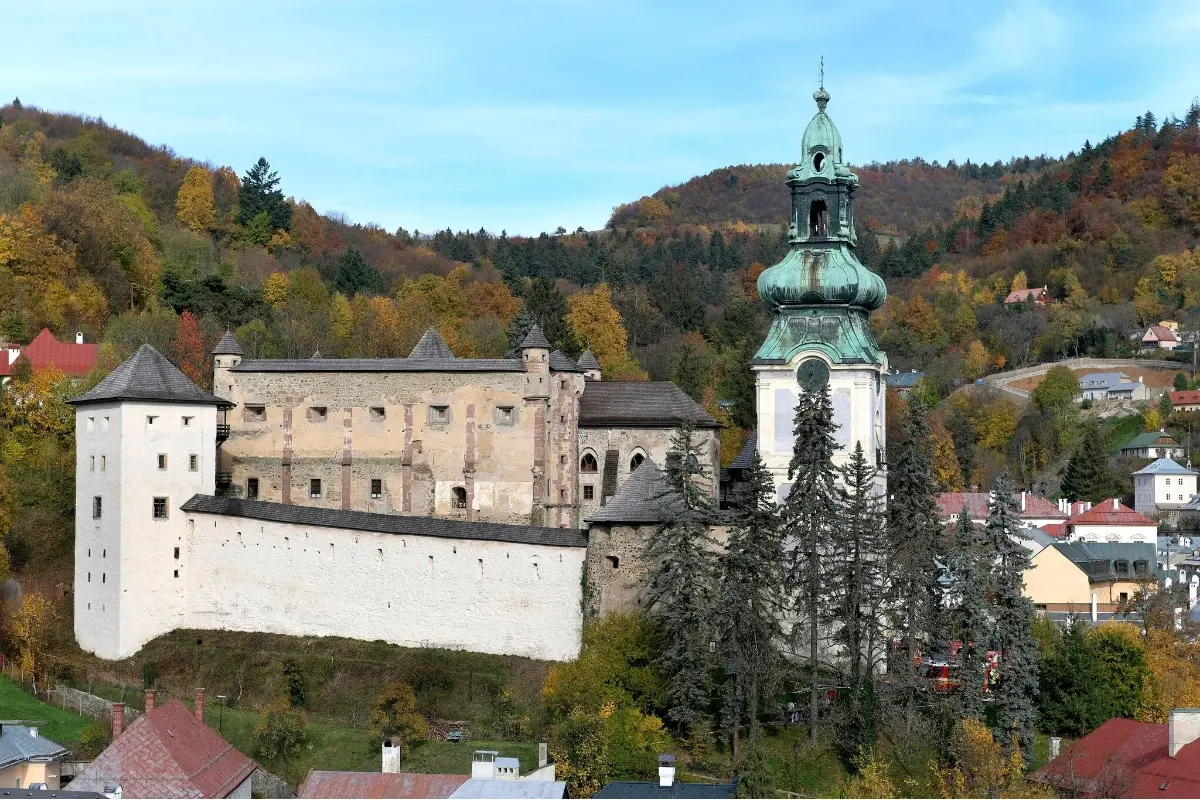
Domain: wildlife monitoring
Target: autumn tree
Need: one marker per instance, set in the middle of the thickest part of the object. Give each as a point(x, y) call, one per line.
point(946, 469)
point(190, 352)
point(194, 204)
point(1057, 392)
point(598, 324)
point(280, 733)
point(33, 626)
point(395, 716)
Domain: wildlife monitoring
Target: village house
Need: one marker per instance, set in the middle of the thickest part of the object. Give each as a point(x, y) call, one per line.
point(1098, 386)
point(668, 787)
point(70, 358)
point(1159, 337)
point(1187, 400)
point(1110, 521)
point(1038, 294)
point(1152, 445)
point(1163, 487)
point(904, 382)
point(1032, 509)
point(1078, 577)
point(28, 759)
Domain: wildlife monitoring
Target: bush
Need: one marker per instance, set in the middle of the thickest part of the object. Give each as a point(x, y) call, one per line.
point(92, 741)
point(280, 732)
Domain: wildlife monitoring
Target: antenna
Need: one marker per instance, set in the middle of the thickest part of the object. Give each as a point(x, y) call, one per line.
point(822, 78)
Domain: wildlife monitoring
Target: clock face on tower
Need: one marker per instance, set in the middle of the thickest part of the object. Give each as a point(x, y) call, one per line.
point(812, 374)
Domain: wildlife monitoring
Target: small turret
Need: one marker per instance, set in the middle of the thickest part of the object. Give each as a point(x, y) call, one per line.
point(589, 365)
point(535, 356)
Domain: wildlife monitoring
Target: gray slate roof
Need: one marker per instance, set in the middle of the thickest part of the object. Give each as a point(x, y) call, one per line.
point(535, 338)
point(903, 380)
point(431, 346)
point(588, 360)
point(1164, 466)
point(639, 404)
point(385, 523)
point(382, 365)
point(745, 456)
point(18, 745)
point(644, 497)
point(524, 789)
point(148, 375)
point(650, 790)
point(1096, 558)
point(228, 346)
point(561, 362)
point(1107, 381)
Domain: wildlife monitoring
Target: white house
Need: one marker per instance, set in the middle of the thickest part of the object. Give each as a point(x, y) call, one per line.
point(1110, 521)
point(1155, 444)
point(1161, 486)
point(1112, 386)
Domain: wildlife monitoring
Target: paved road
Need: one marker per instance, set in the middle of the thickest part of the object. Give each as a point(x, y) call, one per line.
point(1002, 380)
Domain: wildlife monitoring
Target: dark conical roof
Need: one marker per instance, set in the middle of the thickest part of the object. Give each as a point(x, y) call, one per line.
point(431, 346)
point(228, 346)
point(148, 375)
point(535, 338)
point(588, 360)
point(645, 496)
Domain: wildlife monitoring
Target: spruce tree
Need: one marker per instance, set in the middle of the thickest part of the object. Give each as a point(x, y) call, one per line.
point(260, 193)
point(913, 530)
point(969, 565)
point(545, 307)
point(682, 577)
point(1086, 476)
point(810, 514)
point(1017, 682)
point(750, 599)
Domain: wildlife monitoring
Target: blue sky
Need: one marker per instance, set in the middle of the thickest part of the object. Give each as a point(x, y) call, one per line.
point(530, 115)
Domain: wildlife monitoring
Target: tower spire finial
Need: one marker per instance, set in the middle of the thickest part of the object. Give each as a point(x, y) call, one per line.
point(820, 95)
point(822, 71)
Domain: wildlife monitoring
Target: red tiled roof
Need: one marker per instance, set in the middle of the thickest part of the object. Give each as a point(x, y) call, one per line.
point(1106, 514)
point(379, 784)
point(46, 351)
point(168, 753)
point(1187, 398)
point(1159, 333)
point(6, 367)
point(951, 504)
point(1021, 295)
point(1055, 529)
point(1124, 758)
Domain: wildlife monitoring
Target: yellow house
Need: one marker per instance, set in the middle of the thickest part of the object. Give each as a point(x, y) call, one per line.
point(27, 759)
point(1068, 576)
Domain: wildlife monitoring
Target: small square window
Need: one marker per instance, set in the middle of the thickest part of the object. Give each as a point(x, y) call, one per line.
point(504, 415)
point(160, 508)
point(589, 492)
point(193, 463)
point(91, 423)
point(93, 464)
point(162, 460)
point(104, 423)
point(103, 463)
point(176, 573)
point(314, 487)
point(378, 413)
point(252, 488)
point(150, 420)
point(439, 415)
point(96, 507)
point(177, 552)
point(187, 422)
point(317, 413)
point(254, 413)
point(562, 494)
point(376, 487)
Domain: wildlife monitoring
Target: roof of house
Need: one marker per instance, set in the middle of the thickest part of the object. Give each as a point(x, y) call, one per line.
point(1165, 466)
point(385, 523)
point(535, 338)
point(1097, 558)
point(650, 790)
point(1021, 295)
point(1189, 397)
point(640, 404)
point(1107, 381)
point(46, 351)
point(745, 456)
point(588, 360)
point(643, 497)
point(1125, 758)
point(228, 346)
point(951, 504)
point(379, 784)
point(1160, 333)
point(148, 375)
point(419, 364)
point(1151, 439)
point(431, 346)
point(904, 380)
point(167, 752)
point(561, 362)
point(497, 789)
point(1110, 512)
point(20, 743)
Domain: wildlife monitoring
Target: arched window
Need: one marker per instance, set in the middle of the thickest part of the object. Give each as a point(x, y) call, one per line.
point(818, 219)
point(458, 497)
point(636, 461)
point(588, 463)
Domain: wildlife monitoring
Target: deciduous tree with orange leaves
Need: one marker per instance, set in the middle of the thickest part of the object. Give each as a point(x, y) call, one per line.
point(190, 351)
point(194, 204)
point(598, 324)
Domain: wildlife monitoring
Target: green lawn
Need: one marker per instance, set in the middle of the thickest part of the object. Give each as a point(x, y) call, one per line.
point(449, 758)
point(52, 722)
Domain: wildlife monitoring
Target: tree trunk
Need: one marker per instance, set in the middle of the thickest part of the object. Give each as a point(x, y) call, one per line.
point(814, 696)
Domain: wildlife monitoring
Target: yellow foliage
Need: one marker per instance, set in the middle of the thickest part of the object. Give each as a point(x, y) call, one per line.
point(32, 627)
point(1181, 187)
point(981, 768)
point(275, 289)
point(946, 470)
point(1151, 420)
point(37, 407)
point(194, 204)
point(598, 324)
point(1174, 677)
point(976, 360)
point(280, 238)
point(340, 317)
point(994, 419)
point(871, 781)
point(919, 317)
point(1019, 282)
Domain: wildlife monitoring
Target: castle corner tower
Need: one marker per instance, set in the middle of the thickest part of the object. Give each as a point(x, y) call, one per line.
point(820, 297)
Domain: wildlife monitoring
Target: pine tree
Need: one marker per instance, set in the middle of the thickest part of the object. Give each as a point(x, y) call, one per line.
point(546, 308)
point(1017, 682)
point(1086, 476)
point(969, 565)
point(260, 193)
point(810, 514)
point(750, 599)
point(913, 529)
point(355, 275)
point(679, 592)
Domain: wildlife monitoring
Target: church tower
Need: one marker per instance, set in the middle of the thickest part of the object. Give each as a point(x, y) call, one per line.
point(820, 297)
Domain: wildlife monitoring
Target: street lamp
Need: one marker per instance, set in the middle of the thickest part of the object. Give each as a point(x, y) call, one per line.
point(221, 713)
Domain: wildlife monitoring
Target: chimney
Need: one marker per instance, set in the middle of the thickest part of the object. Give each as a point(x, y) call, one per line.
point(1116, 504)
point(200, 704)
point(1094, 615)
point(666, 771)
point(149, 700)
point(1022, 501)
point(118, 719)
point(1183, 728)
point(543, 755)
point(79, 337)
point(33, 733)
point(1055, 746)
point(391, 757)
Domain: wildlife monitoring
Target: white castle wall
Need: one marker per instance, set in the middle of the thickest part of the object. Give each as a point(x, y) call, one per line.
point(417, 591)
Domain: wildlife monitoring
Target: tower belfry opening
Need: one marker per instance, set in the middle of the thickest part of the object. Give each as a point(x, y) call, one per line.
point(818, 219)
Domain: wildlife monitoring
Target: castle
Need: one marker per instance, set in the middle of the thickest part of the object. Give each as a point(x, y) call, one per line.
point(435, 501)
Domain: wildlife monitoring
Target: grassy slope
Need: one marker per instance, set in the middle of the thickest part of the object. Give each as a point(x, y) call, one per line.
point(52, 722)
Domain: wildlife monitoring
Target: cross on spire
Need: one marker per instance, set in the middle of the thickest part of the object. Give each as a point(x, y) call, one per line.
point(822, 71)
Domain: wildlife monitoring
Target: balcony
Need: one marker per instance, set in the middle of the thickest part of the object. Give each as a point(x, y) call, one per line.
point(222, 432)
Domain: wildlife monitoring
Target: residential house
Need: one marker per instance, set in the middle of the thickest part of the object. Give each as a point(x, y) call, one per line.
point(1188, 400)
point(71, 358)
point(167, 752)
point(1078, 576)
point(28, 758)
point(1111, 521)
point(1126, 758)
point(1038, 294)
point(1032, 509)
point(400, 785)
point(667, 787)
point(1155, 444)
point(1163, 487)
point(1159, 336)
point(1112, 386)
point(904, 382)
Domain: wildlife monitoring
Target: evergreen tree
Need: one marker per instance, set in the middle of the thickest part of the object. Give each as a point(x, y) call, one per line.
point(750, 599)
point(969, 564)
point(260, 193)
point(913, 529)
point(755, 776)
point(356, 276)
point(679, 591)
point(1017, 683)
point(546, 308)
point(810, 515)
point(1087, 476)
point(1165, 407)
